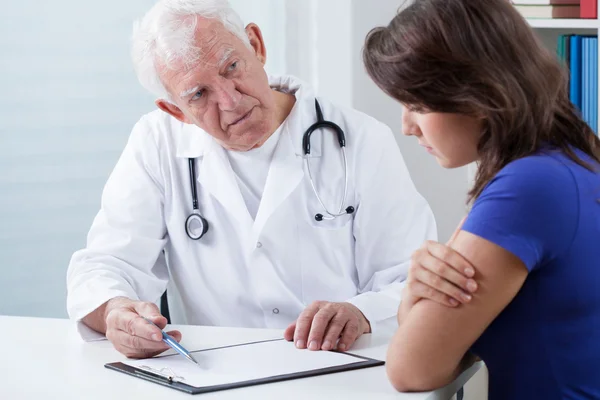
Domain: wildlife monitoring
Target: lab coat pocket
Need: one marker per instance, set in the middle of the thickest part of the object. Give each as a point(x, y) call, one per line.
point(327, 259)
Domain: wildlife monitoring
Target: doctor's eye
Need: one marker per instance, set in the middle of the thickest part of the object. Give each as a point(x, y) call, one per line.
point(198, 94)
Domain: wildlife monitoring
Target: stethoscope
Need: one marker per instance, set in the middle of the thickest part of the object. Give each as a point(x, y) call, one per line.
point(322, 123)
point(196, 225)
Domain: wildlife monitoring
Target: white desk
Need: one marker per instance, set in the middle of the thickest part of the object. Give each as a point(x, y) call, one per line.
point(46, 359)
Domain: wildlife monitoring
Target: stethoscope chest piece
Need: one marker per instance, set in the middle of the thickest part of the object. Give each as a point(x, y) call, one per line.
point(196, 226)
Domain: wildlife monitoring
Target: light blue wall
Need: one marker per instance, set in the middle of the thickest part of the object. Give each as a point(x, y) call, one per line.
point(68, 100)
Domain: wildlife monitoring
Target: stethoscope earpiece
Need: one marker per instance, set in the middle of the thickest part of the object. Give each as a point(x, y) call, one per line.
point(320, 217)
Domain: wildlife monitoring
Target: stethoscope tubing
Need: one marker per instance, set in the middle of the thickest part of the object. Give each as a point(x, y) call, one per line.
point(330, 215)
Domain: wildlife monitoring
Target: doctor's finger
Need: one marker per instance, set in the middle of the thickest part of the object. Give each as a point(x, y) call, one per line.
point(175, 335)
point(150, 311)
point(349, 335)
point(133, 324)
point(451, 257)
point(319, 324)
point(334, 330)
point(303, 325)
point(140, 344)
point(442, 285)
point(288, 334)
point(130, 352)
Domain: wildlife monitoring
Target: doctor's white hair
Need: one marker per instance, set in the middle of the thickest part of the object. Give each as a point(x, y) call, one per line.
point(165, 36)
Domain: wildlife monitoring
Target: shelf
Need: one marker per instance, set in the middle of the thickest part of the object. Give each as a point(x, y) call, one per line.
point(563, 23)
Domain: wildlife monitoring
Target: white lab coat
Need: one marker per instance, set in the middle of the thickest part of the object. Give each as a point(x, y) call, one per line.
point(254, 273)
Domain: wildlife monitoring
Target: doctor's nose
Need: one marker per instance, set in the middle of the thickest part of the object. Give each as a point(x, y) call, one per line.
point(409, 125)
point(228, 97)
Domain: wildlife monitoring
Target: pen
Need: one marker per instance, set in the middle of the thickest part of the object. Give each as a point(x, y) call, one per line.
point(173, 344)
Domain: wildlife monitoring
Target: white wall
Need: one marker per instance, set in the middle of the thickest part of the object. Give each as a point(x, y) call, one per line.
point(269, 15)
point(69, 99)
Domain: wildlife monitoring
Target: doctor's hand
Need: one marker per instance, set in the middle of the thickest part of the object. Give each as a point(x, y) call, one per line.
point(438, 273)
point(322, 323)
point(132, 335)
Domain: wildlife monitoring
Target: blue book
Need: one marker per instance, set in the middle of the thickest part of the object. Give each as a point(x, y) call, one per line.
point(589, 81)
point(575, 89)
point(585, 80)
point(594, 88)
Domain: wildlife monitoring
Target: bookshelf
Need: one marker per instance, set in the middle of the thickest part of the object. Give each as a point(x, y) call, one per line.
point(550, 29)
point(559, 23)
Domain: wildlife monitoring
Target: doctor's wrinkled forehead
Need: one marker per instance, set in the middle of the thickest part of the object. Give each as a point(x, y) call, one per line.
point(176, 33)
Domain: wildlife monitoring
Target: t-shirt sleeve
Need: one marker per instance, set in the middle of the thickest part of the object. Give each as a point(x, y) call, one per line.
point(531, 209)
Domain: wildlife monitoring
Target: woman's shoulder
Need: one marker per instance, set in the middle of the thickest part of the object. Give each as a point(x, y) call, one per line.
point(531, 207)
point(543, 164)
point(543, 173)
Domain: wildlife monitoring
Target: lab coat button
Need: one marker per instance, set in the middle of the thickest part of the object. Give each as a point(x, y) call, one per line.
point(276, 311)
point(258, 245)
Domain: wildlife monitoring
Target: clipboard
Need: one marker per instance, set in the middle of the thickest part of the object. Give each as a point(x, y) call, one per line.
point(169, 377)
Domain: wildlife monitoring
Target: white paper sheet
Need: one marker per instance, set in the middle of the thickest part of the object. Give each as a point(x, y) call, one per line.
point(246, 362)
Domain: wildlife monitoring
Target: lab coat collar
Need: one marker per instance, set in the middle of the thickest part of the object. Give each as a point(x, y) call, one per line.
point(193, 142)
point(303, 114)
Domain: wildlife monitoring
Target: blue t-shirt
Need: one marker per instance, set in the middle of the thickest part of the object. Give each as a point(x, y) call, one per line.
point(545, 344)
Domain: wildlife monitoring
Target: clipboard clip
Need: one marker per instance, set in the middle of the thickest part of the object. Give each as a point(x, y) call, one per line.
point(165, 373)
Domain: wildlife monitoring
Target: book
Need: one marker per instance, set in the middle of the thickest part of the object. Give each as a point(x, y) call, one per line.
point(581, 54)
point(575, 67)
point(560, 49)
point(545, 2)
point(567, 40)
point(533, 11)
point(594, 84)
point(586, 75)
point(589, 9)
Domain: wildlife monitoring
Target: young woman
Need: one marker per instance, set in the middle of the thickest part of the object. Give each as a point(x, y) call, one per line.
point(476, 85)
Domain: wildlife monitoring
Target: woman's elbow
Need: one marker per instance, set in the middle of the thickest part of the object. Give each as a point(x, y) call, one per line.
point(404, 381)
point(407, 376)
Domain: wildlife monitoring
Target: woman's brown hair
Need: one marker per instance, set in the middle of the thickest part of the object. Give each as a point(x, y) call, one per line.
point(480, 58)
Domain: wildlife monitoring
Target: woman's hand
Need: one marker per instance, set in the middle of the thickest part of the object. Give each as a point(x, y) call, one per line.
point(438, 273)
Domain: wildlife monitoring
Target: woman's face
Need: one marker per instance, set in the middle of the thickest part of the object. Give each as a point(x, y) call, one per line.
point(451, 138)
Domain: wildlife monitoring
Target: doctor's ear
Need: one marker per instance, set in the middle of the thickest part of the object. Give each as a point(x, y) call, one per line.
point(257, 42)
point(172, 110)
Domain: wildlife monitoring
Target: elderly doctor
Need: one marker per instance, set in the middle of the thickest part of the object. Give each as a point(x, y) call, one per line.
point(285, 241)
